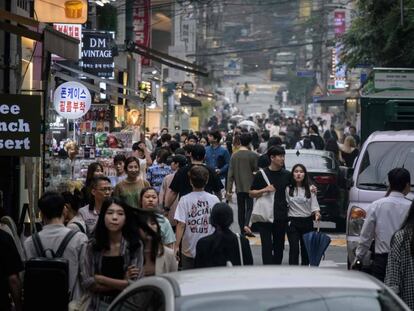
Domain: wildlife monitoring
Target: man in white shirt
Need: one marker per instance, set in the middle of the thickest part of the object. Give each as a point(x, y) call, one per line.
point(385, 216)
point(193, 216)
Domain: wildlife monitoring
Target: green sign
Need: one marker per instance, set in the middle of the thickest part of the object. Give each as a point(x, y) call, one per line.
point(20, 125)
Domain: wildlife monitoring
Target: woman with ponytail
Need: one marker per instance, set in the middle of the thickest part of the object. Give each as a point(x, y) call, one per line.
point(223, 246)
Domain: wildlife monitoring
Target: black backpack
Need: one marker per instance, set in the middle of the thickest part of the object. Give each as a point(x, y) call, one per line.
point(46, 279)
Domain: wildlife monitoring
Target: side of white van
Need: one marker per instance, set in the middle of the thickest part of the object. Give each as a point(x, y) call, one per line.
point(381, 152)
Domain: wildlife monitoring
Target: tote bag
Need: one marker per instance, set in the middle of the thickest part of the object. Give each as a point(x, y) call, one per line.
point(263, 206)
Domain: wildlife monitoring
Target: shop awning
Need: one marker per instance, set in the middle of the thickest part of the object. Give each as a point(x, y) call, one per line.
point(53, 40)
point(189, 101)
point(333, 100)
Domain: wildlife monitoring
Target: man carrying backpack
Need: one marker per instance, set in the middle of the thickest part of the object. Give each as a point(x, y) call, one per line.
point(53, 259)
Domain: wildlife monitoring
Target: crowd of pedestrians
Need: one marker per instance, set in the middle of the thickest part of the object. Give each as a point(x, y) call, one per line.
point(165, 210)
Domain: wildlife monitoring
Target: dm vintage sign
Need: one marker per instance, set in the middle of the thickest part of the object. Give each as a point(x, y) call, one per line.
point(97, 54)
point(20, 125)
point(72, 100)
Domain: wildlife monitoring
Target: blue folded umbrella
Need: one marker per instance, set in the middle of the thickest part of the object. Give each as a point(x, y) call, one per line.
point(316, 244)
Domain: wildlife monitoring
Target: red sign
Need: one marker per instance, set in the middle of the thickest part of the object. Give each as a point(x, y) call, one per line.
point(339, 23)
point(142, 26)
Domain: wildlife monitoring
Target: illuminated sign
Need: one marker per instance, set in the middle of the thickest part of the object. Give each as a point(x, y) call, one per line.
point(72, 100)
point(61, 11)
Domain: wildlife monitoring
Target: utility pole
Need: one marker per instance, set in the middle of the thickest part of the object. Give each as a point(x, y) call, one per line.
point(402, 12)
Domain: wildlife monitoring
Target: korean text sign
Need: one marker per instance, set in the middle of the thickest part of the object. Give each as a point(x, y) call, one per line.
point(142, 26)
point(97, 56)
point(20, 125)
point(72, 100)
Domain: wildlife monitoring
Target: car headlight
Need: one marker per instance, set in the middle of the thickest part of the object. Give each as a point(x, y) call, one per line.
point(356, 220)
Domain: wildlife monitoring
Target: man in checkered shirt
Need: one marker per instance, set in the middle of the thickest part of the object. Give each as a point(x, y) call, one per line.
point(384, 217)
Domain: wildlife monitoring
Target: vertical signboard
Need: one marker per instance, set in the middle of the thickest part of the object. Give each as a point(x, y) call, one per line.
point(97, 54)
point(20, 125)
point(339, 23)
point(142, 25)
point(338, 69)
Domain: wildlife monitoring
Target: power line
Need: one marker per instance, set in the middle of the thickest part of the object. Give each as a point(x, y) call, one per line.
point(258, 49)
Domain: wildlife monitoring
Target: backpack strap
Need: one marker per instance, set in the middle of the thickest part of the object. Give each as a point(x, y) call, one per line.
point(38, 245)
point(65, 242)
point(79, 226)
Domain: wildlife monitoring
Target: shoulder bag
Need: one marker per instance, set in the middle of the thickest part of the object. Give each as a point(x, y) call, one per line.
point(263, 206)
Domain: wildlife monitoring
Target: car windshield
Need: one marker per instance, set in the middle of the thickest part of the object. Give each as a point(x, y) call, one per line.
point(379, 159)
point(322, 299)
point(310, 161)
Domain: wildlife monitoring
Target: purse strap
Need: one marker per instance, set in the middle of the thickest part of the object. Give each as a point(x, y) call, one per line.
point(264, 176)
point(240, 249)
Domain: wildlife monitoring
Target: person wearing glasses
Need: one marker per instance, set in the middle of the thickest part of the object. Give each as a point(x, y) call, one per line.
point(100, 190)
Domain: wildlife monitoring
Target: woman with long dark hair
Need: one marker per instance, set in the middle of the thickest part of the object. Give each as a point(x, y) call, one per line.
point(303, 208)
point(400, 266)
point(158, 259)
point(222, 246)
point(114, 256)
point(95, 169)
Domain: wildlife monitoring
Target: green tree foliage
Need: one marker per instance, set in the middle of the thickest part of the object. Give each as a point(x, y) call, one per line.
point(376, 36)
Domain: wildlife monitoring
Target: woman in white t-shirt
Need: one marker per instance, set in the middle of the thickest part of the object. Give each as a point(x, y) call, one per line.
point(303, 209)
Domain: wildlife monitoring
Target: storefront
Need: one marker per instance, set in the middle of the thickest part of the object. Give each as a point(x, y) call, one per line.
point(90, 120)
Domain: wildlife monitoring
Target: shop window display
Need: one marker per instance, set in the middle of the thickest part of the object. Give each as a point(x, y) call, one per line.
point(67, 160)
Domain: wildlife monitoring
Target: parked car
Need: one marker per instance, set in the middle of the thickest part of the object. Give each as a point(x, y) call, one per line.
point(328, 177)
point(381, 152)
point(259, 288)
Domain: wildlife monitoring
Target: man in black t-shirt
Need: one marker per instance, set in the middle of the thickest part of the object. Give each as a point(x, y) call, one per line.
point(272, 235)
point(180, 184)
point(10, 266)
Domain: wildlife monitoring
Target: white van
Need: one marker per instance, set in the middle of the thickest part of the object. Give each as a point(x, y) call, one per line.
point(381, 152)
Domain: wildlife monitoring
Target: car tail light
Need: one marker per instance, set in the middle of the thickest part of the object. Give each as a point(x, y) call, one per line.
point(356, 220)
point(325, 179)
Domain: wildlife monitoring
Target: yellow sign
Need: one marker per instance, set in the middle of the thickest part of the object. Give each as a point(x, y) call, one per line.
point(195, 123)
point(61, 11)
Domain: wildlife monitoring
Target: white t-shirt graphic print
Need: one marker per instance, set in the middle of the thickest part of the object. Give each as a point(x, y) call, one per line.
point(194, 211)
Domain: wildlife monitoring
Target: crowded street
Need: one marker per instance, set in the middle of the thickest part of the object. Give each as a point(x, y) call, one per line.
point(206, 155)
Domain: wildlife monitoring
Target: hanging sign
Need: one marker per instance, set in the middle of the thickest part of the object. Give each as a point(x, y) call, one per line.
point(72, 100)
point(61, 11)
point(97, 54)
point(142, 25)
point(20, 125)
